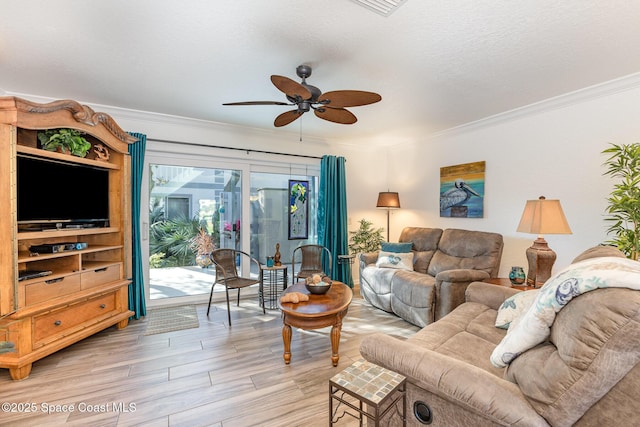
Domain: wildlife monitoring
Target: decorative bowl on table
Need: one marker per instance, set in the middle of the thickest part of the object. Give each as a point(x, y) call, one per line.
point(317, 284)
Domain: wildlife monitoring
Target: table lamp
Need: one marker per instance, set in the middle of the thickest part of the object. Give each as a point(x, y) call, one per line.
point(540, 217)
point(388, 200)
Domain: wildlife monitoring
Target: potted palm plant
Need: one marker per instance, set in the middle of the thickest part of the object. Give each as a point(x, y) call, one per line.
point(65, 141)
point(623, 204)
point(365, 238)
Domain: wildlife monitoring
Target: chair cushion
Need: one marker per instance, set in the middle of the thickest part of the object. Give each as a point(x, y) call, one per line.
point(466, 334)
point(459, 249)
point(425, 242)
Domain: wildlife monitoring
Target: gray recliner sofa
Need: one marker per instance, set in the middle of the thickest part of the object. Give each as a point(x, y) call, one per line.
point(444, 263)
point(586, 373)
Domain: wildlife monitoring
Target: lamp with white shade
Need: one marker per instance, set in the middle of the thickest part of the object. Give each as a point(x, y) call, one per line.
point(542, 216)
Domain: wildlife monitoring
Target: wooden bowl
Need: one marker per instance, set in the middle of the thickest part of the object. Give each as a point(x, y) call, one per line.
point(315, 287)
point(318, 288)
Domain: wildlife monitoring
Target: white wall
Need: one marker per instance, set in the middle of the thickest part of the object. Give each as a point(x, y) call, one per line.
point(553, 150)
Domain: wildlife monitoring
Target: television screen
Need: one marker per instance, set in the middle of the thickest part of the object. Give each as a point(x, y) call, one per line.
point(50, 191)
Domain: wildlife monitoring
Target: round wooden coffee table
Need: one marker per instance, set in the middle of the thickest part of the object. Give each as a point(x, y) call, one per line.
point(319, 312)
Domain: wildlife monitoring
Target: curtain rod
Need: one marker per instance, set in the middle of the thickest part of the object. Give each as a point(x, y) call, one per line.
point(247, 150)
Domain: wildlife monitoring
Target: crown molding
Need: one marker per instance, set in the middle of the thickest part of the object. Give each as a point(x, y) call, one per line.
point(622, 84)
point(119, 113)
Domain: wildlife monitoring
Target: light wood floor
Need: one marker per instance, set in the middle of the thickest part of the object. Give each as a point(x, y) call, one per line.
point(210, 376)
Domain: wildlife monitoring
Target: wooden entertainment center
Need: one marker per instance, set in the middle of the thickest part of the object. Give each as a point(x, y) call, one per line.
point(83, 290)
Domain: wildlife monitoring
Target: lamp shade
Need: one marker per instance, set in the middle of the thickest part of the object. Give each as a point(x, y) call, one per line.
point(388, 200)
point(543, 216)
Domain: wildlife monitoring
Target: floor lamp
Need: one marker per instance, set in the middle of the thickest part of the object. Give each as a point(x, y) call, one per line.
point(388, 200)
point(540, 217)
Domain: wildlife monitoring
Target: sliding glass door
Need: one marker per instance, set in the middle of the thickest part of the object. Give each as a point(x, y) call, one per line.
point(184, 202)
point(234, 204)
point(272, 219)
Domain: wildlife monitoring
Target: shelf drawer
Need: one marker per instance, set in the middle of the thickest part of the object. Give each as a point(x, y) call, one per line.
point(54, 325)
point(52, 288)
point(100, 276)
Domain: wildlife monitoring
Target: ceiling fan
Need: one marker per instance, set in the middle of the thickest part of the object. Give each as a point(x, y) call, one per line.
point(328, 106)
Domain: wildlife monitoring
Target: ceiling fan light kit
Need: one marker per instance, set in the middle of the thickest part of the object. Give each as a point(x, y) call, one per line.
point(328, 106)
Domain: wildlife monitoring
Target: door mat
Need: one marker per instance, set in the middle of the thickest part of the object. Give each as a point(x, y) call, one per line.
point(169, 319)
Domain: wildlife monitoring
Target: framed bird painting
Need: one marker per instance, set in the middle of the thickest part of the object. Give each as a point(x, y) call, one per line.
point(462, 190)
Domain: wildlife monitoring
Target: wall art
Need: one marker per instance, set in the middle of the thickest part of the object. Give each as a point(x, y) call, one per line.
point(462, 190)
point(298, 209)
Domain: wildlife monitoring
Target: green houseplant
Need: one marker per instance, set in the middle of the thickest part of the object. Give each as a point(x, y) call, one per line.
point(623, 204)
point(365, 238)
point(64, 140)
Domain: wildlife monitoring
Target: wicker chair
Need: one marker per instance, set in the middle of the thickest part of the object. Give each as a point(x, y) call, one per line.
point(310, 259)
point(227, 275)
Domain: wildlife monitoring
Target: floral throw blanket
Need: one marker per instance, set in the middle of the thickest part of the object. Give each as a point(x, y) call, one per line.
point(534, 326)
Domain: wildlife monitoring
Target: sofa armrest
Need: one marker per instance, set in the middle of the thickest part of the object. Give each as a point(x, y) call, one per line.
point(465, 385)
point(490, 295)
point(368, 258)
point(462, 275)
point(451, 286)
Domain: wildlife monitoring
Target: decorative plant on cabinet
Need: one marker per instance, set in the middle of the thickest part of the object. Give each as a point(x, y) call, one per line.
point(66, 140)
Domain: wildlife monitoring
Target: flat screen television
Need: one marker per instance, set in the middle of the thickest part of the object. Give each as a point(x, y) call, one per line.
point(54, 194)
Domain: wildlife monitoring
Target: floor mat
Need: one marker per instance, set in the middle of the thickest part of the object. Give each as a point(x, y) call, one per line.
point(169, 319)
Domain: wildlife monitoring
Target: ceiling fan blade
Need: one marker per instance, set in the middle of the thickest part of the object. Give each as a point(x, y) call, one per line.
point(349, 98)
point(290, 87)
point(336, 115)
point(257, 103)
point(286, 118)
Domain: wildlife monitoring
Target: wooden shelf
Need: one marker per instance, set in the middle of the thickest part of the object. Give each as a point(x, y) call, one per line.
point(38, 152)
point(66, 232)
point(29, 257)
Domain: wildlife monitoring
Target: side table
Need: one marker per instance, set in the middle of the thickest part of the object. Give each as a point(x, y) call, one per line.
point(346, 261)
point(501, 281)
point(273, 280)
point(377, 387)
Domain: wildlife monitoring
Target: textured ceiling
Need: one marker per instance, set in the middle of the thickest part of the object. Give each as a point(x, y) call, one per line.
point(437, 63)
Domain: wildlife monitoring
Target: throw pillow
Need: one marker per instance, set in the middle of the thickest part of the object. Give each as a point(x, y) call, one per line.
point(535, 325)
point(402, 247)
point(402, 261)
point(514, 307)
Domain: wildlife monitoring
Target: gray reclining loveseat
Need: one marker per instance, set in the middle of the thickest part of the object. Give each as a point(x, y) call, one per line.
point(444, 263)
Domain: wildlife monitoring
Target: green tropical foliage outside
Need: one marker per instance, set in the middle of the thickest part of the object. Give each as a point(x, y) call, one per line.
point(173, 238)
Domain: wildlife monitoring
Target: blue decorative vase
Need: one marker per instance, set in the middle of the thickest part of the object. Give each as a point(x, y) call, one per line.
point(517, 276)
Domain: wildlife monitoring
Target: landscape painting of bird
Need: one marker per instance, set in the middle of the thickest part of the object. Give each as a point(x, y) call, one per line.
point(460, 193)
point(462, 190)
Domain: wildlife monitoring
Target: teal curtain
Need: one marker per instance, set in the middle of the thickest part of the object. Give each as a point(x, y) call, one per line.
point(136, 288)
point(332, 214)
